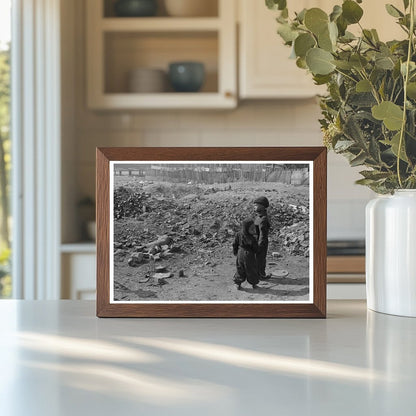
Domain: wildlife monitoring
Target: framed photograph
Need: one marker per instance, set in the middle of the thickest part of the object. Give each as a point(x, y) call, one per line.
point(211, 232)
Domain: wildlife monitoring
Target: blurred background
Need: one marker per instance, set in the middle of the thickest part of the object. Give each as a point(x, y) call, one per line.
point(146, 73)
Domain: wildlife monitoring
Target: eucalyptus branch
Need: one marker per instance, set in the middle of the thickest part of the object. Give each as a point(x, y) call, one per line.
point(373, 88)
point(346, 75)
point(406, 80)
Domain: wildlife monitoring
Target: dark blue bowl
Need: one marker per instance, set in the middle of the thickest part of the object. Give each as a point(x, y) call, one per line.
point(135, 8)
point(187, 76)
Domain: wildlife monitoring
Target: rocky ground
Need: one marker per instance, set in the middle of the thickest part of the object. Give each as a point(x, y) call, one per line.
point(174, 241)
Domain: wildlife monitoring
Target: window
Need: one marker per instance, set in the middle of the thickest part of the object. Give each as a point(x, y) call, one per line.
point(5, 147)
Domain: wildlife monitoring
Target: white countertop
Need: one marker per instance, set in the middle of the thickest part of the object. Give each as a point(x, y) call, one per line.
point(57, 358)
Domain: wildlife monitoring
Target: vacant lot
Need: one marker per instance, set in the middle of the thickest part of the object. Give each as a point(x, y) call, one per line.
point(200, 222)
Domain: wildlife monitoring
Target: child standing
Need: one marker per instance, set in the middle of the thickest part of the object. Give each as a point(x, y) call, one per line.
point(245, 248)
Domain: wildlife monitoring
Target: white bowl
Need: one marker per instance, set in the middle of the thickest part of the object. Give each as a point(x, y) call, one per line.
point(147, 80)
point(191, 8)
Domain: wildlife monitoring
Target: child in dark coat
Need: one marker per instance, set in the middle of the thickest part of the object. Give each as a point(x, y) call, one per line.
point(245, 248)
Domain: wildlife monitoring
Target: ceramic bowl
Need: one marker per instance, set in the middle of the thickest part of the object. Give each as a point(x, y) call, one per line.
point(186, 76)
point(135, 8)
point(147, 80)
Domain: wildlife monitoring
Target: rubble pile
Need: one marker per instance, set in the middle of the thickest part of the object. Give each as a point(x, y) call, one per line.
point(128, 203)
point(295, 238)
point(195, 223)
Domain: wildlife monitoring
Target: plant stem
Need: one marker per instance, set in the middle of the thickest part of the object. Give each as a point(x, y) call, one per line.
point(406, 80)
point(346, 75)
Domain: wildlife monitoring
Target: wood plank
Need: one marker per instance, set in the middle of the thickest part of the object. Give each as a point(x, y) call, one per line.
point(346, 265)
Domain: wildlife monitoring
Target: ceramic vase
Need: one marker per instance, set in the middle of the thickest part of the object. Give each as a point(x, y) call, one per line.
point(391, 253)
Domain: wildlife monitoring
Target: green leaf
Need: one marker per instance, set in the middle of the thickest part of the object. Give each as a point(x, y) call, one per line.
point(333, 32)
point(412, 67)
point(301, 15)
point(325, 42)
point(411, 90)
point(393, 11)
point(301, 63)
point(303, 43)
point(358, 160)
point(316, 20)
point(374, 174)
point(287, 33)
point(342, 25)
point(394, 144)
point(388, 112)
point(276, 4)
point(363, 86)
point(343, 145)
point(384, 62)
point(336, 12)
point(358, 61)
point(375, 35)
point(368, 36)
point(321, 79)
point(351, 11)
point(347, 37)
point(344, 65)
point(320, 61)
point(354, 132)
point(406, 4)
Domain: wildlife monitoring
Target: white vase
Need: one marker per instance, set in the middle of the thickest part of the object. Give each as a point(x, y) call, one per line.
point(391, 253)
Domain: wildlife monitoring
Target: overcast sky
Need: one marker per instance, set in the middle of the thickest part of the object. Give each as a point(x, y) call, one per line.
point(4, 21)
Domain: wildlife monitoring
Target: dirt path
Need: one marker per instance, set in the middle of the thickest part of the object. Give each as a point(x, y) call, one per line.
point(213, 282)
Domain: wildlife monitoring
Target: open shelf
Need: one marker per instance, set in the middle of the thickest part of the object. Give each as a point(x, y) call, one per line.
point(160, 24)
point(119, 45)
point(126, 51)
point(211, 9)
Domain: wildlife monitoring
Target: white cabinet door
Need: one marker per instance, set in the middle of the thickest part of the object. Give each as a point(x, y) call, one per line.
point(265, 68)
point(78, 276)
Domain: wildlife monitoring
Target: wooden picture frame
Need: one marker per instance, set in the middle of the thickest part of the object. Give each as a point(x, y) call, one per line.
point(110, 304)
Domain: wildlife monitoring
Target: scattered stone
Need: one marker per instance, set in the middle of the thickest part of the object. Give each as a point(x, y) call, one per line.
point(120, 254)
point(279, 273)
point(135, 260)
point(181, 273)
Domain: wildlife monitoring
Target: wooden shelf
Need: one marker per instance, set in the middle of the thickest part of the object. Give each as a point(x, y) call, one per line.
point(87, 247)
point(160, 24)
point(117, 45)
point(197, 100)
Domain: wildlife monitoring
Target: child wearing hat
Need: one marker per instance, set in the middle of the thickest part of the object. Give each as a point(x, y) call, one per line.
point(262, 225)
point(245, 248)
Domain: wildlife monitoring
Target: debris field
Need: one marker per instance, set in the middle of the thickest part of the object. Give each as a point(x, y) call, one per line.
point(173, 241)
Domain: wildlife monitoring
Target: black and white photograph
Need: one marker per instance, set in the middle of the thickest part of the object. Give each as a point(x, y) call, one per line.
point(210, 232)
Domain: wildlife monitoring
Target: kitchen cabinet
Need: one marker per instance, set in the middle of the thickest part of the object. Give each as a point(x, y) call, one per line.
point(78, 263)
point(118, 45)
point(265, 70)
